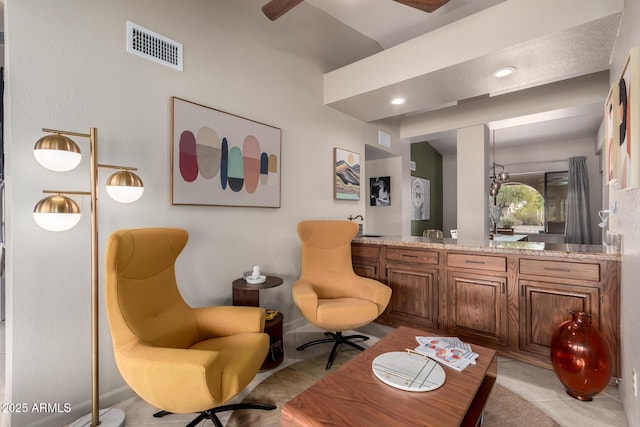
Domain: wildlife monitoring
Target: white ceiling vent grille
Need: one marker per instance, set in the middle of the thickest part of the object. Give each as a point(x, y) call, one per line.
point(153, 46)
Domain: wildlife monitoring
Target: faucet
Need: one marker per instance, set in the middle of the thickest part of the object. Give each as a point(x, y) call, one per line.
point(351, 218)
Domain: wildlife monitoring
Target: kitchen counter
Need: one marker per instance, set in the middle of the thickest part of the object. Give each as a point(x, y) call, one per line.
point(510, 296)
point(596, 252)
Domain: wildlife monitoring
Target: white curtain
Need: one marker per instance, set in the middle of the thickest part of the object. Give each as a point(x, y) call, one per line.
point(578, 225)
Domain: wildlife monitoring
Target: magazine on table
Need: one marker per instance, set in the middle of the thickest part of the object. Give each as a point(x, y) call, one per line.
point(450, 351)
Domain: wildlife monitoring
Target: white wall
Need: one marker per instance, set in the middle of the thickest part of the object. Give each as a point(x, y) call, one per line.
point(450, 194)
point(67, 68)
point(386, 220)
point(626, 222)
point(473, 175)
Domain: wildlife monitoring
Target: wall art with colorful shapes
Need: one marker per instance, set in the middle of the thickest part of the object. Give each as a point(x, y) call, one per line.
point(629, 117)
point(222, 159)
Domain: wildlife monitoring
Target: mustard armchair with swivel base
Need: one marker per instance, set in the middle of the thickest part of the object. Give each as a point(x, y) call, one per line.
point(177, 358)
point(328, 293)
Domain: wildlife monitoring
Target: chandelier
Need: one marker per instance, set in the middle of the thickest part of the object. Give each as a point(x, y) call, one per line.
point(497, 178)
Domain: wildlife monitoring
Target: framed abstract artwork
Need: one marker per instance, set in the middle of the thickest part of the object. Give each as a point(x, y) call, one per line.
point(612, 136)
point(380, 191)
point(629, 122)
point(220, 159)
point(346, 180)
point(420, 199)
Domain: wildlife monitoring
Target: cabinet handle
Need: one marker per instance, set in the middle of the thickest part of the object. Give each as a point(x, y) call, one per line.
point(375, 270)
point(504, 288)
point(566, 270)
point(409, 256)
point(469, 261)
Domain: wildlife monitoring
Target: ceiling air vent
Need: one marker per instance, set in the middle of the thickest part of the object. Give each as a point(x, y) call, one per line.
point(153, 46)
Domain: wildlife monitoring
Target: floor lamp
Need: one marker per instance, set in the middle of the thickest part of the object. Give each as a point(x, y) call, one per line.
point(58, 212)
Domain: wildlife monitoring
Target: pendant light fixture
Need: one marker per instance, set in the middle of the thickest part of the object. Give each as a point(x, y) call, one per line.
point(497, 178)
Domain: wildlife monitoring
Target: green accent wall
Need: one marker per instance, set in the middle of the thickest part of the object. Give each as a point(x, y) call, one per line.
point(428, 166)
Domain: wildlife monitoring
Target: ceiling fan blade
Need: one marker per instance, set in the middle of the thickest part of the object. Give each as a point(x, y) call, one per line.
point(276, 8)
point(424, 5)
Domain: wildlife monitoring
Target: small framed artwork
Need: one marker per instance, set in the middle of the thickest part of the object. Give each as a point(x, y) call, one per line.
point(380, 191)
point(629, 122)
point(220, 159)
point(420, 199)
point(346, 180)
point(612, 136)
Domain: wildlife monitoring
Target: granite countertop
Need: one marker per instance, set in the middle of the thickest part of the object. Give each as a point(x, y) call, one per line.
point(598, 252)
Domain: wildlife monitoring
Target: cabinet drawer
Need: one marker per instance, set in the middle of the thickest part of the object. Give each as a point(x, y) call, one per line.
point(478, 262)
point(570, 270)
point(367, 252)
point(408, 255)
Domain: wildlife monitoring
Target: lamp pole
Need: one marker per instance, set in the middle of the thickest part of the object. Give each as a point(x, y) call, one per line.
point(95, 368)
point(108, 417)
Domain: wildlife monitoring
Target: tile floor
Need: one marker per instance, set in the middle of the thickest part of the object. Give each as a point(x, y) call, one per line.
point(537, 385)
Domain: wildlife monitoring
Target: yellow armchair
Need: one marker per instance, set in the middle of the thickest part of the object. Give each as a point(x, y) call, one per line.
point(177, 358)
point(328, 293)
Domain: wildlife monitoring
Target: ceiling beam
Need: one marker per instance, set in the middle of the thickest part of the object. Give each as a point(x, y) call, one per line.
point(572, 93)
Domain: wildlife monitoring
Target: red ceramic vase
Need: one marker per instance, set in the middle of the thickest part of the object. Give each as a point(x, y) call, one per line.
point(580, 357)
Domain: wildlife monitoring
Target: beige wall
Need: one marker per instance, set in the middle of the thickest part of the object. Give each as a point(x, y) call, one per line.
point(67, 68)
point(627, 222)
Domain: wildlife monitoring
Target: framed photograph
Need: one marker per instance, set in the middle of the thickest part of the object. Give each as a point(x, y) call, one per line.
point(612, 136)
point(346, 181)
point(629, 122)
point(380, 191)
point(220, 159)
point(420, 199)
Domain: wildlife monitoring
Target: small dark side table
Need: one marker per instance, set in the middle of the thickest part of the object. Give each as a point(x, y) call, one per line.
point(249, 295)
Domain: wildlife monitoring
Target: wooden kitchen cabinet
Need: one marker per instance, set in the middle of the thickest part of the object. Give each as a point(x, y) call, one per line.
point(511, 302)
point(366, 260)
point(477, 297)
point(477, 306)
point(545, 305)
point(550, 289)
point(414, 280)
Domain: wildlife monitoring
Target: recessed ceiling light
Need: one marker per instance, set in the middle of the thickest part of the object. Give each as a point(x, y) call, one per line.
point(504, 71)
point(397, 101)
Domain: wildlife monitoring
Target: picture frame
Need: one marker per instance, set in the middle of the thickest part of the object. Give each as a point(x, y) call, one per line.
point(420, 199)
point(221, 159)
point(380, 191)
point(346, 176)
point(629, 122)
point(612, 136)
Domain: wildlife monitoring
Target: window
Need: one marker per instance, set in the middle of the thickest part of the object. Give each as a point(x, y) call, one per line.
point(534, 202)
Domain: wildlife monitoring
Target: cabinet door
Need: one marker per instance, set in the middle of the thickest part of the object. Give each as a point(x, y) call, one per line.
point(477, 306)
point(414, 297)
point(545, 305)
point(365, 260)
point(364, 269)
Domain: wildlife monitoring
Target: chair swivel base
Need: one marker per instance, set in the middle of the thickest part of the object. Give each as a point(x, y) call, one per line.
point(210, 414)
point(336, 338)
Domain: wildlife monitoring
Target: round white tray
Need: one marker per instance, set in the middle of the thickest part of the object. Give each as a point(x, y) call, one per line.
point(257, 281)
point(408, 371)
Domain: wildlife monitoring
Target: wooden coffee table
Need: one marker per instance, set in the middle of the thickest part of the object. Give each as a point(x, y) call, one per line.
point(353, 396)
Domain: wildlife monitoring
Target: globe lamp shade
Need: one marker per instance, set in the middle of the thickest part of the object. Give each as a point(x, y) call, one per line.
point(125, 187)
point(57, 153)
point(56, 213)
